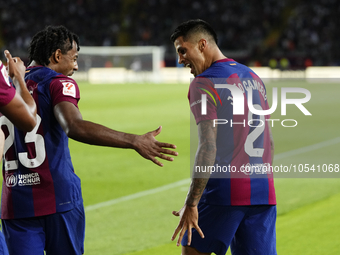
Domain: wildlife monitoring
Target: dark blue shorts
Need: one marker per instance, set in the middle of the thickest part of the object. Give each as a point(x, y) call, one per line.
point(247, 230)
point(59, 233)
point(3, 245)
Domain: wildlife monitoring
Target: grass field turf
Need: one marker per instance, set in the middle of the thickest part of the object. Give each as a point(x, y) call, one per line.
point(144, 225)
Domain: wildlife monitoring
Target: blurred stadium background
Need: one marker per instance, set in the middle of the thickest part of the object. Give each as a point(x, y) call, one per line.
point(304, 32)
point(128, 200)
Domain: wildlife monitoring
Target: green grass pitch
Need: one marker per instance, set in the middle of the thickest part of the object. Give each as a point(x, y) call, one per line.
point(308, 208)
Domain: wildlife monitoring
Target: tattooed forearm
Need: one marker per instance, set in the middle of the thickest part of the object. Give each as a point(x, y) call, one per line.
point(196, 190)
point(205, 156)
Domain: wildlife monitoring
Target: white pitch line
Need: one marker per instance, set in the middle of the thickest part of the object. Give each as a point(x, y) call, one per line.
point(307, 148)
point(138, 195)
point(187, 181)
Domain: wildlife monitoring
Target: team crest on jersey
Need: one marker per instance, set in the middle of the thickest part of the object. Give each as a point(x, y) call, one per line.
point(11, 180)
point(4, 73)
point(69, 89)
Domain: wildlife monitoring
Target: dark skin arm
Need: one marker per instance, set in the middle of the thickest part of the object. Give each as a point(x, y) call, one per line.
point(205, 156)
point(21, 110)
point(70, 119)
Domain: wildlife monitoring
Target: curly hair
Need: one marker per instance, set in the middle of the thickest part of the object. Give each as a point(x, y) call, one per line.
point(47, 41)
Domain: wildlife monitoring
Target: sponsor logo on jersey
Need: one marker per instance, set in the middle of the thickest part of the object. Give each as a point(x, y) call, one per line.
point(28, 179)
point(215, 92)
point(11, 180)
point(69, 89)
point(204, 99)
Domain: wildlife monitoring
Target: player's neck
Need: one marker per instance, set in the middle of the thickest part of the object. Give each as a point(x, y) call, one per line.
point(217, 55)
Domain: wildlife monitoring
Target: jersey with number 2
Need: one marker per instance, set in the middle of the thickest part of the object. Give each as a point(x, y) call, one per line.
point(241, 173)
point(38, 175)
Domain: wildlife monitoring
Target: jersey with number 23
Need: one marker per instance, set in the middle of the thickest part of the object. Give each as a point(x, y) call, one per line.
point(38, 175)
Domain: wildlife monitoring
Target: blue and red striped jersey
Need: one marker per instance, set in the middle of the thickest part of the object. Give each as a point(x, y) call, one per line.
point(241, 174)
point(38, 175)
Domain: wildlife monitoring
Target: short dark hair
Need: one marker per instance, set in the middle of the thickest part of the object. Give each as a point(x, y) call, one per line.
point(47, 41)
point(193, 26)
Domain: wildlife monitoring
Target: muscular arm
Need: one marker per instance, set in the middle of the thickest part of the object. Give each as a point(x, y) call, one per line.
point(19, 113)
point(70, 119)
point(21, 110)
point(205, 156)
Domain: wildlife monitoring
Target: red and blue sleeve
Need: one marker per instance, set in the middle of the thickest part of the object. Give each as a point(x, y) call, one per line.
point(203, 88)
point(63, 88)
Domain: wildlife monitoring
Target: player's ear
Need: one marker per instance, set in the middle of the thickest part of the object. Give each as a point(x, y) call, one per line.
point(56, 56)
point(202, 44)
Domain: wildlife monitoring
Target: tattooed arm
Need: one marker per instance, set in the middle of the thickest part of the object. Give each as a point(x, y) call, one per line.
point(205, 156)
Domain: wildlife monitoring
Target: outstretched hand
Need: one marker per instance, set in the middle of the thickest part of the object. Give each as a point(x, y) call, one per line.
point(15, 66)
point(188, 220)
point(148, 147)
